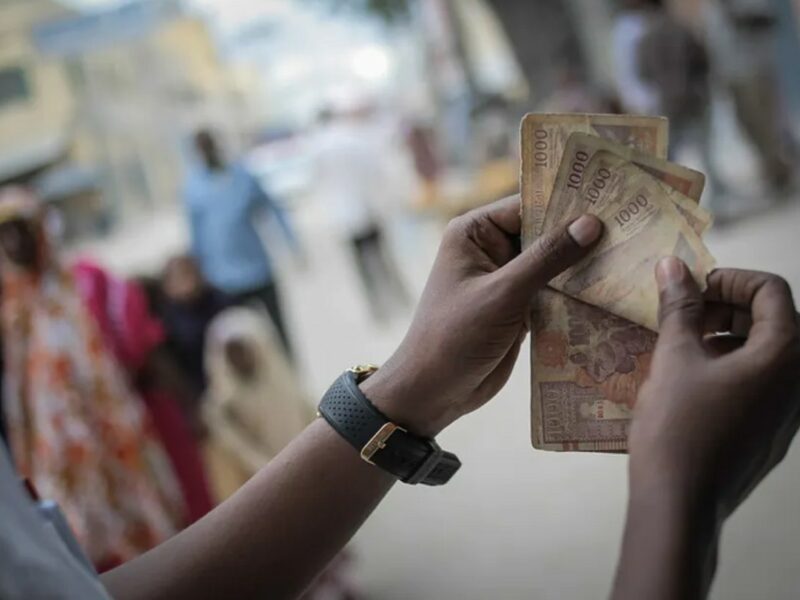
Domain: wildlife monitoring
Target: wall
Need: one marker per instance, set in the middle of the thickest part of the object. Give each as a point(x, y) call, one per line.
point(33, 129)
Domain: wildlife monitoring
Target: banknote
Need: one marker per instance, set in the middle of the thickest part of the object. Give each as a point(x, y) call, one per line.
point(587, 364)
point(569, 202)
point(544, 137)
point(642, 224)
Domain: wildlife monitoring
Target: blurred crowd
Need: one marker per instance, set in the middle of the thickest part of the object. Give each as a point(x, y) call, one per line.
point(666, 66)
point(137, 404)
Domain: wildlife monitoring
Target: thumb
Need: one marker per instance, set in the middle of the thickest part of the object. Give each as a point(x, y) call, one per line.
point(681, 305)
point(552, 253)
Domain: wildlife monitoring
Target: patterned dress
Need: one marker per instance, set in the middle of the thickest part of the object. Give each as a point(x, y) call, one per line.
point(75, 429)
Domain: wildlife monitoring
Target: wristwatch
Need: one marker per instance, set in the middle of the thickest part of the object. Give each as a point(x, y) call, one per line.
point(379, 441)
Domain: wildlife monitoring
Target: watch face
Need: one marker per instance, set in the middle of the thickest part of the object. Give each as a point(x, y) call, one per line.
point(378, 441)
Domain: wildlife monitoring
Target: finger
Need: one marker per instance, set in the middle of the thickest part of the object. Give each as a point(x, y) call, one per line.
point(495, 381)
point(493, 229)
point(680, 313)
point(789, 430)
point(764, 295)
point(767, 297)
point(724, 318)
point(552, 253)
point(722, 344)
point(505, 214)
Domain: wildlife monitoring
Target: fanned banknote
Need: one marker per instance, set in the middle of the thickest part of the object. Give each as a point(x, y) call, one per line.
point(544, 137)
point(683, 185)
point(587, 364)
point(642, 224)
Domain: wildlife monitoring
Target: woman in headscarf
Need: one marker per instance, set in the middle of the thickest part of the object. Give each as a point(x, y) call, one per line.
point(255, 403)
point(136, 338)
point(255, 406)
point(74, 427)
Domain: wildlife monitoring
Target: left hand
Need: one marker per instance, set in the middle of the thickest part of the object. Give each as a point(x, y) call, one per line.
point(473, 316)
point(711, 422)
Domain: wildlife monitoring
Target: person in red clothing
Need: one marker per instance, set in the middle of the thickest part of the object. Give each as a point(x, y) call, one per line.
point(75, 428)
point(136, 339)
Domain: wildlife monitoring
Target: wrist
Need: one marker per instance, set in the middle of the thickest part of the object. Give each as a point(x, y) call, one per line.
point(671, 540)
point(676, 501)
point(399, 395)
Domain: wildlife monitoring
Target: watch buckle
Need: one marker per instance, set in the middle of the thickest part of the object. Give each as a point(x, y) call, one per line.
point(378, 441)
point(365, 369)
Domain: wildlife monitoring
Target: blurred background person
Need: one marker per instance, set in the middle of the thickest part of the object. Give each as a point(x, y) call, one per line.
point(74, 427)
point(742, 42)
point(121, 310)
point(633, 22)
point(223, 201)
point(572, 93)
point(353, 182)
point(420, 139)
point(255, 404)
point(674, 63)
point(187, 305)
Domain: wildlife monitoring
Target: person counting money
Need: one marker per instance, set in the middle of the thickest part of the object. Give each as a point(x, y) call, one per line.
point(699, 442)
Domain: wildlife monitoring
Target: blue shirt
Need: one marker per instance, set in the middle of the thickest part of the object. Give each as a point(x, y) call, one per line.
point(223, 206)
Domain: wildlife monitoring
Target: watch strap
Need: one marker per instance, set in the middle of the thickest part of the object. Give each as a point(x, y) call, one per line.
point(410, 458)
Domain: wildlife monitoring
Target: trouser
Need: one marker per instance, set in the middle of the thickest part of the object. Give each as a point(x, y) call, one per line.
point(694, 130)
point(757, 107)
point(269, 298)
point(377, 271)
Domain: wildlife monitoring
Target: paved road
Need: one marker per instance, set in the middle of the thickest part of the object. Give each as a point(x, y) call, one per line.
point(517, 523)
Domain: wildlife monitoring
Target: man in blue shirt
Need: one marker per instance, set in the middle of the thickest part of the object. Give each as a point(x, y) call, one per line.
point(223, 201)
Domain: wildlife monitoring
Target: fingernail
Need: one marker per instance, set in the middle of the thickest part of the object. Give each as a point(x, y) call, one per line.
point(585, 230)
point(669, 270)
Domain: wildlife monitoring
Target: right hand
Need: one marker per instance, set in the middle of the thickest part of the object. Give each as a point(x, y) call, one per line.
point(712, 421)
point(473, 316)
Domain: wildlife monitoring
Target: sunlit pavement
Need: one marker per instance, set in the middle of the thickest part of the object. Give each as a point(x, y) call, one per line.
point(514, 523)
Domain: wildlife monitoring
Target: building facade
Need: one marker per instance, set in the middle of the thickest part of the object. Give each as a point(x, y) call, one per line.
point(100, 106)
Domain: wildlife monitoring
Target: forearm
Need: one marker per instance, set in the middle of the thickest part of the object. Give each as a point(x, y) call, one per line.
point(273, 536)
point(669, 549)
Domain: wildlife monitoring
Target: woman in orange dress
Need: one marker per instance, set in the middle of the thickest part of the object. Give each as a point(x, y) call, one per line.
point(74, 427)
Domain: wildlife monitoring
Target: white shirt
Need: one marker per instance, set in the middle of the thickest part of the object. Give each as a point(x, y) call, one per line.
point(351, 176)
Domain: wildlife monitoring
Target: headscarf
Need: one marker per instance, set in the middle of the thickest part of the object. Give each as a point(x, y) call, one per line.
point(252, 418)
point(75, 429)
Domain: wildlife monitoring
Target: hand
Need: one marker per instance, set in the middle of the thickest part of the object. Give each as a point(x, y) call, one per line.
point(714, 419)
point(473, 316)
